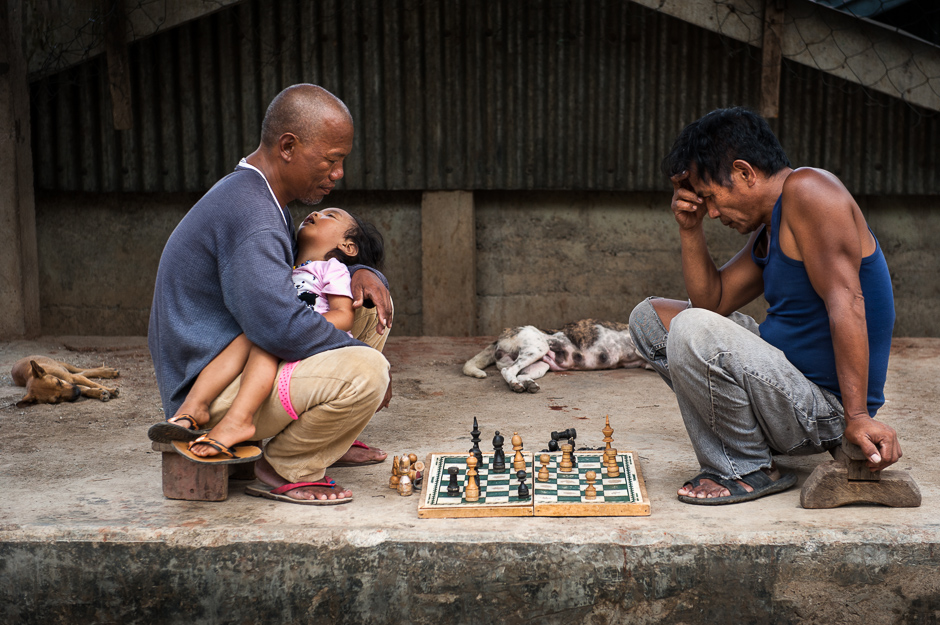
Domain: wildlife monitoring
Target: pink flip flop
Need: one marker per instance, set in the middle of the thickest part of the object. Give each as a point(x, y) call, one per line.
point(279, 493)
point(344, 463)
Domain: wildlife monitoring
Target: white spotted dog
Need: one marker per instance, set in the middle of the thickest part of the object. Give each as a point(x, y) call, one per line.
point(525, 354)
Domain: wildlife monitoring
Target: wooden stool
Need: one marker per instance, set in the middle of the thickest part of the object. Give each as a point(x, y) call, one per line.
point(847, 479)
point(192, 481)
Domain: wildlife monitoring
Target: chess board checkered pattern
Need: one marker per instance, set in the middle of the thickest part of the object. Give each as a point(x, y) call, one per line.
point(495, 488)
point(561, 495)
point(564, 487)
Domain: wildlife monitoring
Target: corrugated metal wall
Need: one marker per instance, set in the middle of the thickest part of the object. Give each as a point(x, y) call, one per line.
point(500, 94)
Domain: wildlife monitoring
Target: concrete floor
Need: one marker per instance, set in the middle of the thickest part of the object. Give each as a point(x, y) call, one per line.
point(86, 535)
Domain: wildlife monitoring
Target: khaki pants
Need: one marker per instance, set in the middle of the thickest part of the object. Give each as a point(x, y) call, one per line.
point(334, 393)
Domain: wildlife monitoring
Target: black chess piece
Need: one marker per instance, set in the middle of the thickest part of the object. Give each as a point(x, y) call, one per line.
point(453, 488)
point(574, 460)
point(569, 433)
point(499, 456)
point(475, 437)
point(523, 489)
point(553, 445)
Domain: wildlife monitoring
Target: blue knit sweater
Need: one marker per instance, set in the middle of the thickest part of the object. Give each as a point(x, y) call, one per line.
point(226, 270)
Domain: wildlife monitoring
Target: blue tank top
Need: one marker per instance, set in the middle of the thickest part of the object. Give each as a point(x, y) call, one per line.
point(797, 322)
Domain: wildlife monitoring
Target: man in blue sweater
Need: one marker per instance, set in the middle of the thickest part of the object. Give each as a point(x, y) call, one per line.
point(226, 270)
point(814, 370)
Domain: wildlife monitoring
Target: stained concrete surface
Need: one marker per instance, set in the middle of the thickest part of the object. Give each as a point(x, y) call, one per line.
point(87, 537)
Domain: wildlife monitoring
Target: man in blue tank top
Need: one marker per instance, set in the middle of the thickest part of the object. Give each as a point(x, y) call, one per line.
point(814, 370)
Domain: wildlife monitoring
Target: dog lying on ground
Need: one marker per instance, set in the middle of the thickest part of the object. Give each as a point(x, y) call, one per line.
point(525, 354)
point(49, 381)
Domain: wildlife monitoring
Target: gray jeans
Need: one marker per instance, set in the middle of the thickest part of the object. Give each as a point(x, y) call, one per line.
point(739, 396)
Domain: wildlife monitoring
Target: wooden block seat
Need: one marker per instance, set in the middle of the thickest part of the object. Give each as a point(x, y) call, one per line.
point(193, 481)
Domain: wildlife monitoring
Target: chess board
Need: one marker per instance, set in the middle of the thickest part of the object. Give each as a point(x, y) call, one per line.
point(561, 495)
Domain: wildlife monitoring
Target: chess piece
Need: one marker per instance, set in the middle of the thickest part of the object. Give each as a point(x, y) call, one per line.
point(574, 458)
point(518, 461)
point(590, 492)
point(413, 458)
point(475, 437)
point(608, 433)
point(404, 486)
point(523, 489)
point(393, 481)
point(613, 467)
point(417, 472)
point(565, 465)
point(543, 472)
point(553, 445)
point(566, 434)
point(499, 456)
point(471, 491)
point(453, 488)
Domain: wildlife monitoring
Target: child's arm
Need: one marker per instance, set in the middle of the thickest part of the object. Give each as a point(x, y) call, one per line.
point(340, 313)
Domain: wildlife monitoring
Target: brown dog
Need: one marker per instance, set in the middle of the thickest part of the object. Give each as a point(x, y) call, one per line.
point(49, 381)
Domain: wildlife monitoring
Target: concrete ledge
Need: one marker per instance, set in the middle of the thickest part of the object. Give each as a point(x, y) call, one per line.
point(302, 578)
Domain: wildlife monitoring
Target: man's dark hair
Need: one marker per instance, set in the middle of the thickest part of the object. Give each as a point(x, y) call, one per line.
point(369, 242)
point(719, 138)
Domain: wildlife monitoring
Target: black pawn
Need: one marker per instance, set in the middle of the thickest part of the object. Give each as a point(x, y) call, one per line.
point(553, 445)
point(475, 450)
point(523, 489)
point(499, 456)
point(453, 488)
point(574, 461)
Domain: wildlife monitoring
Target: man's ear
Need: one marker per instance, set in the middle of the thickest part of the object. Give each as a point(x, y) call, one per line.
point(743, 169)
point(286, 145)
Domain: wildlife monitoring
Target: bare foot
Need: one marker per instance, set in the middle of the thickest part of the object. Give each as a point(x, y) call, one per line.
point(198, 412)
point(357, 455)
point(707, 489)
point(266, 473)
point(227, 432)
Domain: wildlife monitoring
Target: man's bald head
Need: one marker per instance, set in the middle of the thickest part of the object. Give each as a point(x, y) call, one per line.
point(300, 109)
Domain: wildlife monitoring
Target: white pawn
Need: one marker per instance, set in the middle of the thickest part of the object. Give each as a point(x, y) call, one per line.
point(404, 486)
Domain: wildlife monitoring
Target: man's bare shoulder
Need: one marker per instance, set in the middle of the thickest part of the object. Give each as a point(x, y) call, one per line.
point(815, 193)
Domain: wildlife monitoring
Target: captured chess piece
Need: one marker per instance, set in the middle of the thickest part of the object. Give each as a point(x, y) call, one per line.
point(847, 479)
point(543, 472)
point(518, 461)
point(590, 492)
point(453, 488)
point(499, 456)
point(565, 434)
point(471, 490)
point(396, 476)
point(404, 482)
point(405, 489)
point(523, 491)
point(416, 473)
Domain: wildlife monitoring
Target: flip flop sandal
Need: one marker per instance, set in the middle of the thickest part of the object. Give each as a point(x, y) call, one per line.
point(169, 431)
point(279, 493)
point(225, 455)
point(758, 480)
point(345, 463)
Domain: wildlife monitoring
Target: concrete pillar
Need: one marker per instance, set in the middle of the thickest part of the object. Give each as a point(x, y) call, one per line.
point(448, 264)
point(19, 273)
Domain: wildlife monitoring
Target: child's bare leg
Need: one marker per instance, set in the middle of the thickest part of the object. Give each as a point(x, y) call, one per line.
point(215, 378)
point(237, 424)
